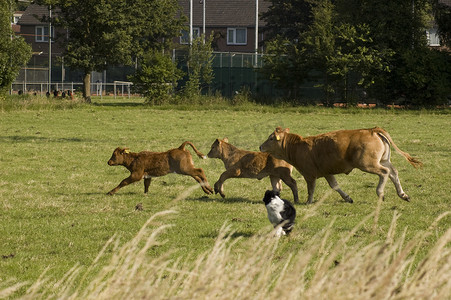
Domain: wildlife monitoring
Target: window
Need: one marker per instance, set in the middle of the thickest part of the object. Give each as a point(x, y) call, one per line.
point(42, 33)
point(184, 39)
point(236, 36)
point(433, 37)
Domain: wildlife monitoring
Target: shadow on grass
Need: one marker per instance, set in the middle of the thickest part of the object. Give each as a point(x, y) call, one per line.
point(236, 234)
point(119, 104)
point(221, 200)
point(24, 139)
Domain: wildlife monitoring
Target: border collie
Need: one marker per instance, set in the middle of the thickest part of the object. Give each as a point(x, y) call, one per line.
point(281, 213)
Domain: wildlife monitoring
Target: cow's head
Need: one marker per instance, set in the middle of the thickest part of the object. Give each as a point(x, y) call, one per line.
point(216, 148)
point(274, 142)
point(118, 156)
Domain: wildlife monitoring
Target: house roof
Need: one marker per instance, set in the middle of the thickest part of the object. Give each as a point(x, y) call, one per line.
point(226, 13)
point(32, 13)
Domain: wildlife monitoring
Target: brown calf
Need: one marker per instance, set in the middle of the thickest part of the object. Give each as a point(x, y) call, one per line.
point(148, 164)
point(247, 164)
point(339, 152)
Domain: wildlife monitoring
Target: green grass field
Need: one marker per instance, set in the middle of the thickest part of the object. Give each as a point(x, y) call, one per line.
point(55, 214)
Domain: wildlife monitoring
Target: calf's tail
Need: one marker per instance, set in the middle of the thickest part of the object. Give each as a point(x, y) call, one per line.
point(182, 147)
point(384, 134)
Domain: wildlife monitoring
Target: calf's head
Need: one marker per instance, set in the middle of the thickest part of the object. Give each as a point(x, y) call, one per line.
point(216, 148)
point(274, 142)
point(118, 156)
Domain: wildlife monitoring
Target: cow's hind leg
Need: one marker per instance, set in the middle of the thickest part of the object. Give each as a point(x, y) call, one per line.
point(395, 179)
point(383, 173)
point(334, 185)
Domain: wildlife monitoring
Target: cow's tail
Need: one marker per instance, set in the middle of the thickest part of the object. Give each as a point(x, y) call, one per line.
point(182, 147)
point(385, 136)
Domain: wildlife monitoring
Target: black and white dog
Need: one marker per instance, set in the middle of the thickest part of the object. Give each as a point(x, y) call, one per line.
point(281, 213)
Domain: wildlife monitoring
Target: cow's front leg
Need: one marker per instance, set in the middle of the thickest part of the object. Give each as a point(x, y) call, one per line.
point(132, 178)
point(334, 185)
point(311, 183)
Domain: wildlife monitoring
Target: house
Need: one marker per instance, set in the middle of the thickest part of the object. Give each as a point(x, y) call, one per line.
point(232, 21)
point(16, 17)
point(432, 35)
point(35, 32)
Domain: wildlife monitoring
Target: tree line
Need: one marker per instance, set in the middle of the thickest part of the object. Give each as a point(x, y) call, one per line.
point(379, 47)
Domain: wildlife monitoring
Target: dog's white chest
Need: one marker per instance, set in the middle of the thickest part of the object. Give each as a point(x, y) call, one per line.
point(274, 208)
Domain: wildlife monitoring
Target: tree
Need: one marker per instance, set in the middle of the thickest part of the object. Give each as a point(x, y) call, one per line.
point(373, 40)
point(14, 51)
point(200, 70)
point(112, 32)
point(287, 18)
point(156, 77)
point(286, 64)
point(328, 49)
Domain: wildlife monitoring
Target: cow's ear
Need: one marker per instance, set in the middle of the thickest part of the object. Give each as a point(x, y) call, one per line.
point(226, 140)
point(287, 130)
point(277, 137)
point(126, 151)
point(278, 129)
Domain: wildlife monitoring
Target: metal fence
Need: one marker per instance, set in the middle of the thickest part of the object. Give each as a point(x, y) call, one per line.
point(116, 89)
point(233, 73)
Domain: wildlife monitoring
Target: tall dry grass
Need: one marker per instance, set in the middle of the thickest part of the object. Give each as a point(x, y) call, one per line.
point(386, 269)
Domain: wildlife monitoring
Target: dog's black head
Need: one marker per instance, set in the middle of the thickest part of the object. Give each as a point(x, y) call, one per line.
point(269, 195)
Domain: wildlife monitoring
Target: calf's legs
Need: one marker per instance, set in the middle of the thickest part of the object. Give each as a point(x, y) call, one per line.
point(199, 176)
point(146, 183)
point(288, 180)
point(132, 178)
point(232, 173)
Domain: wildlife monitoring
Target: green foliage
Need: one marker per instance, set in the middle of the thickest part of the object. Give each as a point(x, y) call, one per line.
point(285, 64)
point(14, 51)
point(424, 77)
point(289, 18)
point(200, 69)
point(329, 47)
point(368, 41)
point(154, 24)
point(156, 77)
point(114, 32)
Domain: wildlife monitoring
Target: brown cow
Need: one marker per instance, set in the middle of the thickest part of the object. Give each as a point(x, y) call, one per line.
point(247, 164)
point(339, 152)
point(148, 164)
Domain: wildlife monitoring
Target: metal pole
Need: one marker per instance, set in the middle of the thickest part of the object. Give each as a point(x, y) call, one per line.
point(50, 48)
point(190, 22)
point(203, 19)
point(256, 31)
point(62, 74)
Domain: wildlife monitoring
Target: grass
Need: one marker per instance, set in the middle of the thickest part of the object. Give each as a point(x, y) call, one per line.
point(55, 213)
